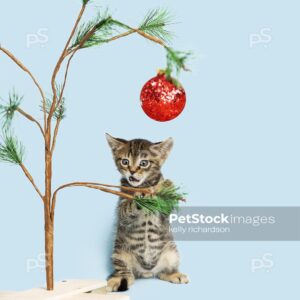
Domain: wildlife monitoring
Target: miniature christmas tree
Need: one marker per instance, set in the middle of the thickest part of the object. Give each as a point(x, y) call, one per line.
point(98, 31)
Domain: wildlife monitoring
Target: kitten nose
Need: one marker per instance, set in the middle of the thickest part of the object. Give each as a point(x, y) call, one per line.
point(131, 172)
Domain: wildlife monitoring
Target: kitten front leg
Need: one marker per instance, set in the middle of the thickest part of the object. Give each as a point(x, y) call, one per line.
point(127, 209)
point(122, 278)
point(167, 266)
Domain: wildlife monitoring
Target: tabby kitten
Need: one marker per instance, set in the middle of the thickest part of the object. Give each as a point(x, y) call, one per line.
point(144, 245)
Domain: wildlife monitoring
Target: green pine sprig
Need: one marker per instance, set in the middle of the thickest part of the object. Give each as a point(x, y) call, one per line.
point(7, 110)
point(11, 150)
point(60, 110)
point(155, 23)
point(101, 29)
point(164, 202)
point(176, 61)
point(94, 32)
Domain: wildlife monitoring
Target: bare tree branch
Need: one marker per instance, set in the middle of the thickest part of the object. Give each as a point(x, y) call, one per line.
point(21, 65)
point(55, 135)
point(102, 187)
point(60, 100)
point(150, 37)
point(28, 175)
point(32, 119)
point(63, 55)
point(48, 152)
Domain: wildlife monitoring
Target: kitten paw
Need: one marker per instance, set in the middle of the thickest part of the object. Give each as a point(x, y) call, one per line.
point(118, 284)
point(176, 277)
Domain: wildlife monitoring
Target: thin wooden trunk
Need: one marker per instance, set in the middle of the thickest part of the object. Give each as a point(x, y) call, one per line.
point(49, 222)
point(49, 238)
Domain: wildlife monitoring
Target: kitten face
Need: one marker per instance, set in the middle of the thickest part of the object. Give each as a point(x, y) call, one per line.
point(139, 161)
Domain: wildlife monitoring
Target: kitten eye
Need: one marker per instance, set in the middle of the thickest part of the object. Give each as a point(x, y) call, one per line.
point(125, 162)
point(144, 163)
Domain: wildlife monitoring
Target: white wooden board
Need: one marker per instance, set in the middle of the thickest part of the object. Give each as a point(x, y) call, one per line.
point(67, 290)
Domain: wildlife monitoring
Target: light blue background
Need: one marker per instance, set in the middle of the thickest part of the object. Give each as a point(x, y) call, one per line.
point(237, 142)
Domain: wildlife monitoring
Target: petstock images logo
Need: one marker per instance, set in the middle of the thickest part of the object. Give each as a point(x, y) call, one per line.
point(236, 224)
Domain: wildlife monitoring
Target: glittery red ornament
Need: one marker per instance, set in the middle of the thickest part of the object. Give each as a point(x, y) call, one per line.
point(161, 99)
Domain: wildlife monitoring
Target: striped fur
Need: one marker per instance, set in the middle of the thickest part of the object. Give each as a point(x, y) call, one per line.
point(144, 246)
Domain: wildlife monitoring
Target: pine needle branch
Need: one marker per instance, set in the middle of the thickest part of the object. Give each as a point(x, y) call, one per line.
point(11, 150)
point(93, 32)
point(59, 112)
point(7, 110)
point(155, 24)
point(164, 202)
point(122, 25)
point(101, 29)
point(176, 61)
point(60, 109)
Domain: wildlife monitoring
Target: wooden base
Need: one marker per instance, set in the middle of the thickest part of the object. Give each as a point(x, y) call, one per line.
point(67, 290)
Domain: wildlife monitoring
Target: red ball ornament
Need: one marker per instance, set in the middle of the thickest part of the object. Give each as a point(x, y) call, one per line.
point(161, 99)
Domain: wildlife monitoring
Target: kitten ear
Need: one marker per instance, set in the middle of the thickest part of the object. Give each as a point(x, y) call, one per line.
point(163, 149)
point(114, 143)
